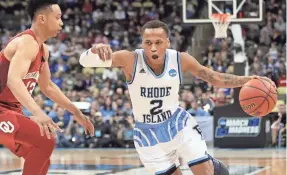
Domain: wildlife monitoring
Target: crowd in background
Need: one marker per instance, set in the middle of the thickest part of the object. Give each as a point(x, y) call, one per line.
point(265, 47)
point(118, 23)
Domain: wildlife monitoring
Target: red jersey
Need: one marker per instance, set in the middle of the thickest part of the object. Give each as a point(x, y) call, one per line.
point(7, 99)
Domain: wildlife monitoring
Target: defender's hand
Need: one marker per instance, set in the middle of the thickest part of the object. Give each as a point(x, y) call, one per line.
point(103, 50)
point(85, 122)
point(46, 124)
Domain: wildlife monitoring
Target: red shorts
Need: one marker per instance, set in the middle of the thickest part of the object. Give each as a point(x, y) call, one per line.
point(11, 124)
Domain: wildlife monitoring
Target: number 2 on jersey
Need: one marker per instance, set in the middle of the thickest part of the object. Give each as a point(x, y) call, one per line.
point(156, 109)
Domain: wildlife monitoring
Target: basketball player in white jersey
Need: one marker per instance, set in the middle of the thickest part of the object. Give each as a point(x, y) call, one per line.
point(163, 131)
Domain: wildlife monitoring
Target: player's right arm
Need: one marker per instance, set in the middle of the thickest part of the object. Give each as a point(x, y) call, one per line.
point(101, 55)
point(26, 51)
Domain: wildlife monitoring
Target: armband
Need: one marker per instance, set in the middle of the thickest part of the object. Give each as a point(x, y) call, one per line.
point(89, 59)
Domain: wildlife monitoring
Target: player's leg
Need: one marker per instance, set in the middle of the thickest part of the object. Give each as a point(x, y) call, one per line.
point(158, 158)
point(41, 150)
point(210, 167)
point(34, 148)
point(158, 161)
point(157, 146)
point(23, 150)
point(193, 150)
point(46, 167)
point(175, 171)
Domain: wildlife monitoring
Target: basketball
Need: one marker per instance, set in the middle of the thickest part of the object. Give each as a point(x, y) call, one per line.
point(258, 97)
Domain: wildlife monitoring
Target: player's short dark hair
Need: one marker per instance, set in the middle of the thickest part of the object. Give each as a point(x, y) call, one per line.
point(35, 5)
point(153, 24)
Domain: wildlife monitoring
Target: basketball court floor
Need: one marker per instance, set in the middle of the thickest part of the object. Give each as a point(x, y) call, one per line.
point(126, 162)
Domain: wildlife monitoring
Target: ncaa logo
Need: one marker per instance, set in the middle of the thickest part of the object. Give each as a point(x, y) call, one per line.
point(6, 127)
point(172, 73)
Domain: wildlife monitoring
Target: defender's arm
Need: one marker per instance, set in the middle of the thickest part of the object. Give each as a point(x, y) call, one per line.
point(52, 91)
point(26, 52)
point(224, 80)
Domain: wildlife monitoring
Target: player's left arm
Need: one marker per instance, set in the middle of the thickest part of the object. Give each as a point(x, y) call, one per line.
point(224, 80)
point(52, 91)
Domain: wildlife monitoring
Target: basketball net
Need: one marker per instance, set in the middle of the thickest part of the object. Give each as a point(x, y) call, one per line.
point(220, 23)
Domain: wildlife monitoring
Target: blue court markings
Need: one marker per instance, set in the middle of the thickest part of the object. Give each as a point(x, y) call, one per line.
point(62, 169)
point(86, 167)
point(91, 167)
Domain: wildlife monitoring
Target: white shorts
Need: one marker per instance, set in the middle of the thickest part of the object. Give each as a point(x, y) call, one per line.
point(160, 145)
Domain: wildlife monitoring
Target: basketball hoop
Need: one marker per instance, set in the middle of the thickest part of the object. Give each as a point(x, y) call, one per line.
point(220, 23)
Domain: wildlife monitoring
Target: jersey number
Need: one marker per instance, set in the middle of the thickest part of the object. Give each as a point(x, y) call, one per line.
point(31, 86)
point(157, 105)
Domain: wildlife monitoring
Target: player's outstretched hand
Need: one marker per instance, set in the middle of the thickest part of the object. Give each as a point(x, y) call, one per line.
point(85, 122)
point(47, 125)
point(103, 50)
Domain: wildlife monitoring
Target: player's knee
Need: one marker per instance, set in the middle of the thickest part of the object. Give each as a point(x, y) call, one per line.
point(171, 171)
point(49, 145)
point(219, 167)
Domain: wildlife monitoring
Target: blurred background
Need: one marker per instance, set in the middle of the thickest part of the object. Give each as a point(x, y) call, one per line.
point(102, 93)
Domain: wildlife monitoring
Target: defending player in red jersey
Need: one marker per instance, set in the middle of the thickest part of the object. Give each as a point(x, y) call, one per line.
point(23, 63)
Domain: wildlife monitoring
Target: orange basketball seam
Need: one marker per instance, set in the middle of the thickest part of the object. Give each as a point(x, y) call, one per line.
point(261, 105)
point(260, 90)
point(266, 87)
point(262, 101)
point(269, 89)
point(268, 92)
point(251, 98)
point(264, 84)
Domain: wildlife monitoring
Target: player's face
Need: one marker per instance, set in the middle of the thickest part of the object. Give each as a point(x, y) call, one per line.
point(155, 42)
point(282, 109)
point(52, 20)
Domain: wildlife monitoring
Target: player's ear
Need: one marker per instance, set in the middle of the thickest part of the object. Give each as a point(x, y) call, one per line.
point(142, 44)
point(41, 18)
point(168, 43)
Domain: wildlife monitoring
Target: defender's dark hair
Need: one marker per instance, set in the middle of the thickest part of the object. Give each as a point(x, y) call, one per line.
point(153, 24)
point(35, 5)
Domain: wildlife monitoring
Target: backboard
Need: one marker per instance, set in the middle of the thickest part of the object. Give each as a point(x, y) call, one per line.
point(242, 11)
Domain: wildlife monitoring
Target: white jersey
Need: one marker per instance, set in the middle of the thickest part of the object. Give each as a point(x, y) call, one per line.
point(163, 131)
point(155, 97)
